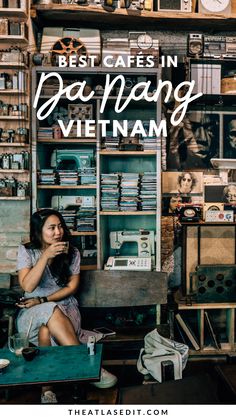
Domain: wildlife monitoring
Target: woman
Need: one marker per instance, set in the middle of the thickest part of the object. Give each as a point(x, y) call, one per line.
point(48, 272)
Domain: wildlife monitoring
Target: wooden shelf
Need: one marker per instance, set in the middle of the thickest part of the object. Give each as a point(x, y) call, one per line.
point(88, 267)
point(16, 12)
point(17, 39)
point(66, 186)
point(14, 145)
point(14, 198)
point(128, 213)
point(69, 140)
point(83, 233)
point(13, 171)
point(12, 65)
point(206, 306)
point(124, 18)
point(13, 92)
point(127, 153)
point(13, 118)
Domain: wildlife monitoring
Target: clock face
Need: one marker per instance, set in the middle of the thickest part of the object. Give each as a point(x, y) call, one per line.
point(144, 41)
point(216, 6)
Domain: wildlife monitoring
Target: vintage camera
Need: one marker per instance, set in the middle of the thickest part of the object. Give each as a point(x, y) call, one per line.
point(174, 6)
point(195, 45)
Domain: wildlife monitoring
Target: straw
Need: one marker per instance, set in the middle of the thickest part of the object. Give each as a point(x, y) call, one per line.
point(30, 323)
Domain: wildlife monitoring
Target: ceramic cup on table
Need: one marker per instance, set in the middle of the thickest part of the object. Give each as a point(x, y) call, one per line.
point(29, 353)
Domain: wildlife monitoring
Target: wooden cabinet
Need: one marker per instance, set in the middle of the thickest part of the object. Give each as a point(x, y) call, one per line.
point(221, 317)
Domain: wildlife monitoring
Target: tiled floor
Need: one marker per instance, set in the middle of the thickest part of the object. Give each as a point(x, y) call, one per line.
point(128, 377)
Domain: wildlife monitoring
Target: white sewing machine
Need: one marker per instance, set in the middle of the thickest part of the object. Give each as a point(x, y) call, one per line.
point(145, 240)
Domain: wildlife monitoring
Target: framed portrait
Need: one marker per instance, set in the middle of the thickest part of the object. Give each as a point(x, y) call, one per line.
point(229, 136)
point(170, 204)
point(196, 140)
point(182, 183)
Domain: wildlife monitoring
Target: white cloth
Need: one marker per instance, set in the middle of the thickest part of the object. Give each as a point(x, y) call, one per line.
point(157, 349)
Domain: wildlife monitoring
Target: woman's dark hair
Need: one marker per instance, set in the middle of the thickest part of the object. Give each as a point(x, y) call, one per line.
point(60, 266)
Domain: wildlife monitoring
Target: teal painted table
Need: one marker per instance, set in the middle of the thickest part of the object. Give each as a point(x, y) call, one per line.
point(55, 364)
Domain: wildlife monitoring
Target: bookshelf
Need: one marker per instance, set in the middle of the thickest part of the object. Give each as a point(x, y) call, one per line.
point(107, 161)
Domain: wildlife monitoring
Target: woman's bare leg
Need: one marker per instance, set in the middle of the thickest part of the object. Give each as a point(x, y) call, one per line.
point(61, 328)
point(44, 336)
point(44, 340)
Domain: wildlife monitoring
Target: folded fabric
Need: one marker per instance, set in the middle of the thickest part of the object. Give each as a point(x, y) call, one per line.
point(158, 349)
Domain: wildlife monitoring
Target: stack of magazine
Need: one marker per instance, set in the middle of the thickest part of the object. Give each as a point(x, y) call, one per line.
point(148, 193)
point(149, 143)
point(70, 218)
point(46, 177)
point(86, 216)
point(68, 177)
point(110, 191)
point(129, 191)
point(87, 176)
point(111, 143)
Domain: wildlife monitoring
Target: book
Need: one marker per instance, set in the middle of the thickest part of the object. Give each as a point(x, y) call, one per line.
point(211, 330)
point(188, 331)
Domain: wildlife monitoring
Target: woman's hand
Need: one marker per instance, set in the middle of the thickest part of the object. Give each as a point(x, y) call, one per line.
point(55, 249)
point(30, 302)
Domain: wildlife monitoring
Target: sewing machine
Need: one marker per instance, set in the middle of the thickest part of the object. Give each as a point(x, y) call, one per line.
point(145, 240)
point(61, 202)
point(72, 159)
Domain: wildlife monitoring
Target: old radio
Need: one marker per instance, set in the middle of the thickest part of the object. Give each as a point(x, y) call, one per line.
point(212, 206)
point(214, 46)
point(195, 45)
point(174, 6)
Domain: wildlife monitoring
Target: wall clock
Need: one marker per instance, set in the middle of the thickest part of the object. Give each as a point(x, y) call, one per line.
point(215, 6)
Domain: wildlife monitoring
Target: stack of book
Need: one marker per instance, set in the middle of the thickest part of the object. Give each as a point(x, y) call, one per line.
point(129, 191)
point(87, 175)
point(45, 133)
point(110, 191)
point(148, 193)
point(86, 215)
point(68, 177)
point(111, 143)
point(149, 143)
point(70, 218)
point(47, 177)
